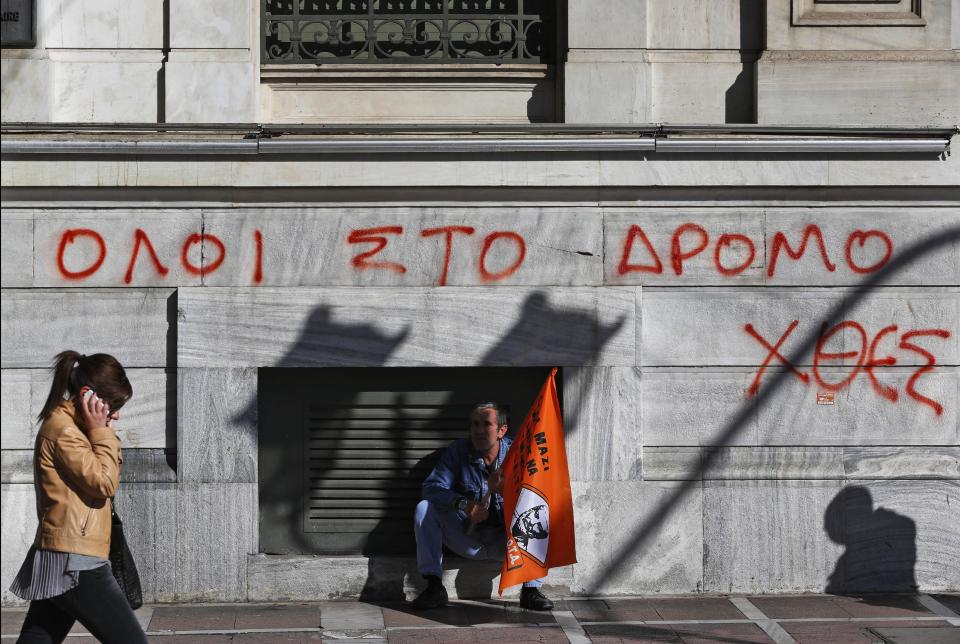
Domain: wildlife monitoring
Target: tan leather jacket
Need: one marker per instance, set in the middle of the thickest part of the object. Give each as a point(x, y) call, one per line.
point(75, 474)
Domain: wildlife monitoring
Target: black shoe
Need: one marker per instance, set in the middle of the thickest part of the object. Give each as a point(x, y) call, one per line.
point(533, 599)
point(433, 596)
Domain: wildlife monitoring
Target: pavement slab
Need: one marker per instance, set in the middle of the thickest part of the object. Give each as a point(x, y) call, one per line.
point(930, 635)
point(798, 607)
point(847, 632)
point(950, 601)
point(695, 608)
point(457, 614)
point(485, 635)
point(882, 606)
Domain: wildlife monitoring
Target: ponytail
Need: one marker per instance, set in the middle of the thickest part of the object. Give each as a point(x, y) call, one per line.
point(72, 371)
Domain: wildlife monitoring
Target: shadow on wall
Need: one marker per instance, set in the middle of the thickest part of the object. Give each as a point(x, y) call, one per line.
point(881, 548)
point(644, 531)
point(543, 334)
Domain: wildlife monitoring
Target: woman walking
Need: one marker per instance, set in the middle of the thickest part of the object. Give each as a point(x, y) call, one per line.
point(76, 470)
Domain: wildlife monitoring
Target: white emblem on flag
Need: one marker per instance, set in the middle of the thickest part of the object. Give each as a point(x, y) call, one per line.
point(530, 526)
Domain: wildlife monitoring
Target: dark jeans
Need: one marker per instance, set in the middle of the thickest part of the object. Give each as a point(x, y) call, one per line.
point(97, 602)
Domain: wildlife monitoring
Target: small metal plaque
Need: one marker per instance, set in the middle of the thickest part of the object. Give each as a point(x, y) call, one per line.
point(18, 23)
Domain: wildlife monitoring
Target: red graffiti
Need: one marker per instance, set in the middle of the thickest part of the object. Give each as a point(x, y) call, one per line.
point(683, 247)
point(141, 238)
point(774, 352)
point(448, 232)
point(727, 239)
point(625, 265)
point(486, 275)
point(861, 238)
point(258, 258)
point(677, 255)
point(780, 241)
point(866, 359)
point(68, 237)
point(886, 391)
point(931, 361)
point(374, 236)
point(142, 242)
point(819, 355)
point(205, 269)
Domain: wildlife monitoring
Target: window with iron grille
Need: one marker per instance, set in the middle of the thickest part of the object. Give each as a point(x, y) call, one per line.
point(343, 451)
point(408, 31)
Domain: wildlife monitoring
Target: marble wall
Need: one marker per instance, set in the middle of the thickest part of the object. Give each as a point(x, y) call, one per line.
point(716, 432)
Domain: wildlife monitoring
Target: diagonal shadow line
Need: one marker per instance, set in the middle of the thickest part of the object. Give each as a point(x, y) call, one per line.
point(910, 255)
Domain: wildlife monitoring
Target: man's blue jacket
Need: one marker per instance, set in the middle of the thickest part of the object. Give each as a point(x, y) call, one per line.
point(461, 473)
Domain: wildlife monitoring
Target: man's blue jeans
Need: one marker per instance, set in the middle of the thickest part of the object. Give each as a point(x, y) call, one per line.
point(436, 527)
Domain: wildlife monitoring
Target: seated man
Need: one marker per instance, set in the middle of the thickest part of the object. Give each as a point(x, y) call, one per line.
point(453, 514)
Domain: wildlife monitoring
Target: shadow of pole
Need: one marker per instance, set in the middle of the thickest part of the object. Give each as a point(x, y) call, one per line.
point(776, 379)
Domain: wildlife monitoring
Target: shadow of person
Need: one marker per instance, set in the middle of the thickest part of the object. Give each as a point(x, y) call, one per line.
point(285, 483)
point(881, 549)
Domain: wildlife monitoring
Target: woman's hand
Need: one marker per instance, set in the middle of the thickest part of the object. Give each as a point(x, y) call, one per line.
point(95, 412)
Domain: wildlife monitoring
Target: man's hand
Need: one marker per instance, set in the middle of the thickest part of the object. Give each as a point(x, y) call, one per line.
point(495, 482)
point(476, 512)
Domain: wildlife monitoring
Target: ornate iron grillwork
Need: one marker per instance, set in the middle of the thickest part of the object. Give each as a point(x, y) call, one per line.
point(408, 31)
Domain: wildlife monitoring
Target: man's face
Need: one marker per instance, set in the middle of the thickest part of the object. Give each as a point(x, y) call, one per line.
point(484, 431)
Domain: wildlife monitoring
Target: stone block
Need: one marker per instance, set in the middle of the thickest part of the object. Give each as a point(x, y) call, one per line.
point(617, 24)
point(216, 531)
point(913, 462)
point(112, 90)
point(150, 525)
point(388, 578)
point(312, 247)
point(628, 259)
point(130, 324)
point(606, 92)
point(139, 465)
point(691, 327)
point(697, 407)
point(331, 327)
point(701, 88)
point(759, 170)
point(19, 527)
point(931, 506)
point(602, 422)
point(143, 422)
point(209, 24)
point(742, 463)
point(210, 92)
point(123, 248)
point(525, 98)
point(854, 253)
point(101, 24)
point(794, 414)
point(767, 536)
point(17, 412)
point(217, 421)
point(612, 516)
point(782, 32)
point(705, 24)
point(810, 90)
point(856, 240)
point(25, 95)
point(679, 463)
point(16, 226)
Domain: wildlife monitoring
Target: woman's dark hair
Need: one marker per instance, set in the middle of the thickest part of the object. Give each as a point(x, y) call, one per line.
point(101, 372)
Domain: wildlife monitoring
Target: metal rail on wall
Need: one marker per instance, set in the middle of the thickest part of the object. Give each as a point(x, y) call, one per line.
point(254, 139)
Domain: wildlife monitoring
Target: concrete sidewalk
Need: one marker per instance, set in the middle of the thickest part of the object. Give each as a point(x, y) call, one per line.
point(896, 619)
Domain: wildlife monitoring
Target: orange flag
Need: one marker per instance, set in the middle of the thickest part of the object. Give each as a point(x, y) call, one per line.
point(537, 507)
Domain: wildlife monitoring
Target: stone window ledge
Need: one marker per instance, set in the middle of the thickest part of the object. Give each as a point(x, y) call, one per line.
point(306, 73)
